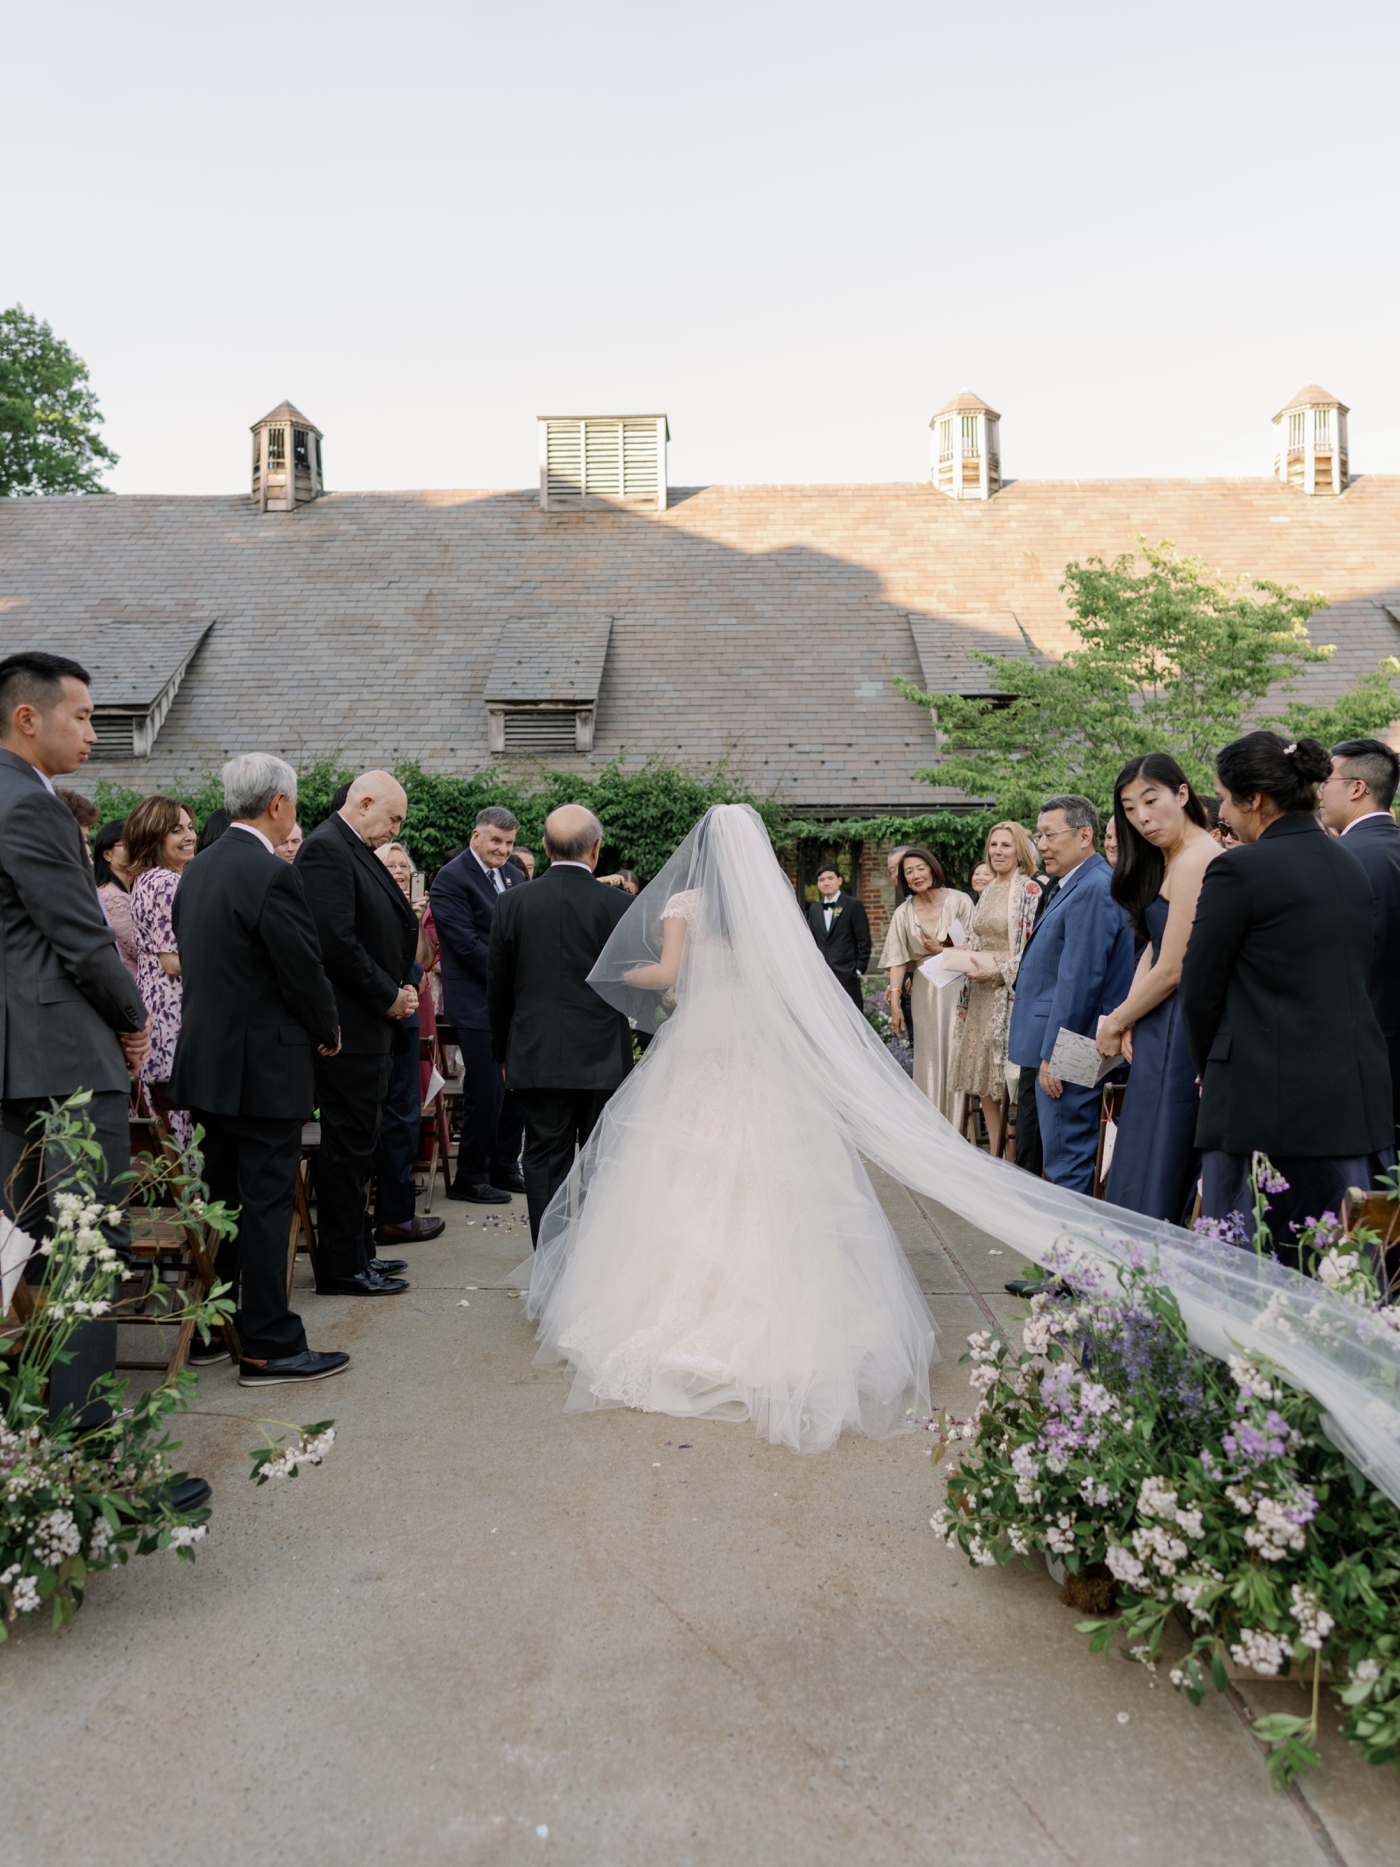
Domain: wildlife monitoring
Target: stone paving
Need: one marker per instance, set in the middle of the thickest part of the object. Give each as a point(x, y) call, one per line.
point(487, 1633)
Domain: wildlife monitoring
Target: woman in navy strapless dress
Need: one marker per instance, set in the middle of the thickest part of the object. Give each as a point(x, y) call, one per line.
point(1163, 849)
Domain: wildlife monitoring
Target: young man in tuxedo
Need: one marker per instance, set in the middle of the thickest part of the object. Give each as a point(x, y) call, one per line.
point(564, 1049)
point(1355, 802)
point(369, 936)
point(466, 894)
point(256, 1004)
point(841, 928)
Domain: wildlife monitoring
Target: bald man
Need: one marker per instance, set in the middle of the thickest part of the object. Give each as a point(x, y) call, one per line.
point(564, 1049)
point(369, 935)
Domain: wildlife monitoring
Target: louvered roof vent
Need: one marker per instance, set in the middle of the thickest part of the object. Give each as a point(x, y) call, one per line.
point(603, 460)
point(542, 685)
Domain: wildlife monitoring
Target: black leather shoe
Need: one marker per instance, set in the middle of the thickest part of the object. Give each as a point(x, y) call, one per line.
point(366, 1283)
point(512, 1182)
point(190, 1494)
point(207, 1354)
point(388, 1267)
point(310, 1365)
point(482, 1194)
point(412, 1232)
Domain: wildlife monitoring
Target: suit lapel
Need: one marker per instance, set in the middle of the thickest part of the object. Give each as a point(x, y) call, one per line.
point(365, 854)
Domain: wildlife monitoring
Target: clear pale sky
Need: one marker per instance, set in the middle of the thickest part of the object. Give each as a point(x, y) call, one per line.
point(795, 229)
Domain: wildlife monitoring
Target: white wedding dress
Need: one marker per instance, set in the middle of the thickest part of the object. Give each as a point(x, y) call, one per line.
point(719, 1251)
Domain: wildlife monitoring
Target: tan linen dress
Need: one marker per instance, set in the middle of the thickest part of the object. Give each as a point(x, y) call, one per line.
point(935, 1008)
point(979, 1055)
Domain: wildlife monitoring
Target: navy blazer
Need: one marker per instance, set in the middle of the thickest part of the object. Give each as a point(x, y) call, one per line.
point(1076, 966)
point(1375, 842)
point(464, 908)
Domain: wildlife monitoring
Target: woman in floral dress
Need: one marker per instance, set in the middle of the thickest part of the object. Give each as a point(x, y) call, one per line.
point(1001, 926)
point(919, 928)
point(159, 843)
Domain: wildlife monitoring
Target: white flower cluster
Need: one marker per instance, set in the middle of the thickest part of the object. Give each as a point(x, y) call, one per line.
point(1271, 1533)
point(185, 1535)
point(1157, 1499)
point(1023, 1463)
point(1159, 1547)
point(1335, 1267)
point(1189, 1591)
point(1264, 1651)
point(1247, 1376)
point(1365, 1672)
point(100, 1539)
point(1125, 1567)
point(1045, 1322)
point(1095, 1494)
point(1060, 1534)
point(309, 1452)
point(55, 1536)
point(1314, 1622)
point(24, 1591)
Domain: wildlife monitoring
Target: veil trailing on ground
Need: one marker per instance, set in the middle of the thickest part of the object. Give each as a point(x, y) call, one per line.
point(751, 965)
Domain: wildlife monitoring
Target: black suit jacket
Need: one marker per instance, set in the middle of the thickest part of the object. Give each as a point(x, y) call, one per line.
point(1275, 997)
point(1375, 842)
point(548, 1026)
point(255, 999)
point(847, 947)
point(64, 991)
point(368, 932)
point(464, 908)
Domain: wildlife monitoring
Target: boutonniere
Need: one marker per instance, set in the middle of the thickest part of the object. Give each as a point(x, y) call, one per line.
point(835, 911)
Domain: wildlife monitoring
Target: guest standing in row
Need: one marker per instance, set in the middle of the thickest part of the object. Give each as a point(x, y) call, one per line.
point(114, 876)
point(288, 851)
point(841, 928)
point(919, 928)
point(1076, 965)
point(1275, 997)
point(1354, 801)
point(395, 1195)
point(1001, 925)
point(903, 998)
point(1164, 849)
point(368, 935)
point(160, 843)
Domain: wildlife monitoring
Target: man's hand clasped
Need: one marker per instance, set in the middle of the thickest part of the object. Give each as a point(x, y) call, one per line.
point(136, 1046)
point(405, 1004)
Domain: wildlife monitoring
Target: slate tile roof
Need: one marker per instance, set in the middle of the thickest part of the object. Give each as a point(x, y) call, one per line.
point(761, 624)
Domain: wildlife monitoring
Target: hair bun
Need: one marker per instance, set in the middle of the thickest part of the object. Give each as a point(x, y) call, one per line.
point(1311, 760)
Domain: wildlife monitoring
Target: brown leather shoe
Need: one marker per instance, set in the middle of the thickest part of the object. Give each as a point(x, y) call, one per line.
point(417, 1232)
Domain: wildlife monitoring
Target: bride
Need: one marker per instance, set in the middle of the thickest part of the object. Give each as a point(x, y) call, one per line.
point(719, 1251)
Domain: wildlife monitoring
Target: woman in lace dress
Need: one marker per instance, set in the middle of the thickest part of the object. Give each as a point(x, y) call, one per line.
point(160, 841)
point(1002, 923)
point(919, 927)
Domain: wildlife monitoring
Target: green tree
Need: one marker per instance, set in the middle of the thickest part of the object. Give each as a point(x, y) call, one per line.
point(48, 415)
point(1167, 658)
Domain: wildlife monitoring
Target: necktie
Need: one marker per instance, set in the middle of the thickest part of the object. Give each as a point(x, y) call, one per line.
point(498, 884)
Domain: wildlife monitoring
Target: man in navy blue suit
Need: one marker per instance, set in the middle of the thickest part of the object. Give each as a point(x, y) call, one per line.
point(1355, 802)
point(465, 894)
point(1076, 967)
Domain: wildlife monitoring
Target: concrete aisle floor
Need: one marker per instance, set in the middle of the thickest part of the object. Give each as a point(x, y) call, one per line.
point(487, 1633)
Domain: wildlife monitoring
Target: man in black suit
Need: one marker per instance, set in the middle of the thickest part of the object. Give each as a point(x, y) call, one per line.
point(1355, 801)
point(1275, 998)
point(70, 1015)
point(841, 928)
point(563, 1047)
point(466, 893)
point(369, 935)
point(255, 1001)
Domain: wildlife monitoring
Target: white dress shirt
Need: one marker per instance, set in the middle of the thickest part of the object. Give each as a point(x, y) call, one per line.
point(252, 830)
point(492, 875)
point(1366, 818)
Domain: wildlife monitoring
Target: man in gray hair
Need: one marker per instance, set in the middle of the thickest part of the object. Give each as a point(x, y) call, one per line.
point(257, 1006)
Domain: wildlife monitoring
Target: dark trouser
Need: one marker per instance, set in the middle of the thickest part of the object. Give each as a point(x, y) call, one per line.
point(1315, 1186)
point(92, 1345)
point(399, 1130)
point(250, 1162)
point(491, 1116)
point(556, 1122)
point(1069, 1134)
point(850, 985)
point(1029, 1152)
point(350, 1094)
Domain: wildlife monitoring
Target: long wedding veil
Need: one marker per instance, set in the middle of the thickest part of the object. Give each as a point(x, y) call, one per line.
point(755, 952)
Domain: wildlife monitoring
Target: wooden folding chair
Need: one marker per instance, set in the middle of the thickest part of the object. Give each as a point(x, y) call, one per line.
point(1109, 1111)
point(434, 1136)
point(1379, 1214)
point(302, 1236)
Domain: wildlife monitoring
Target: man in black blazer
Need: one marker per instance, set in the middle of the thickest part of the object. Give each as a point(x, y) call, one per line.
point(369, 935)
point(1355, 802)
point(1276, 1006)
point(563, 1047)
point(841, 928)
point(466, 893)
point(255, 1003)
point(70, 1015)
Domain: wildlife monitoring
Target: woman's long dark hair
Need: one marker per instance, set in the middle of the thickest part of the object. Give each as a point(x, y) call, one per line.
point(1138, 873)
point(1288, 774)
point(109, 834)
point(901, 887)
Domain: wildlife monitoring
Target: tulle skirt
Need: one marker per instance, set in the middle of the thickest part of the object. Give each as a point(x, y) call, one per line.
point(720, 1253)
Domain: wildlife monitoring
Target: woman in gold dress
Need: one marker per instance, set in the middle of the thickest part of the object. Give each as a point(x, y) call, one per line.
point(918, 929)
point(1001, 924)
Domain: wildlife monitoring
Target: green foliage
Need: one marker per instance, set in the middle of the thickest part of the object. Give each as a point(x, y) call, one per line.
point(1168, 658)
point(957, 840)
point(114, 800)
point(48, 415)
point(1363, 712)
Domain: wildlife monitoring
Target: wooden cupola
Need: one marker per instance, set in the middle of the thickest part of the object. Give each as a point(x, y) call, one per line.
point(286, 460)
point(966, 448)
point(1310, 442)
